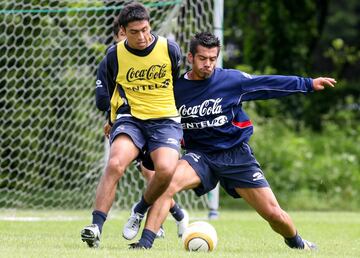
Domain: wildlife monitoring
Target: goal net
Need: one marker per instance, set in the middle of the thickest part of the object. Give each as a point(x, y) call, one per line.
point(51, 141)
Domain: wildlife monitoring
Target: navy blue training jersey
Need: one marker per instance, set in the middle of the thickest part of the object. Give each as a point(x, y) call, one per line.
point(211, 110)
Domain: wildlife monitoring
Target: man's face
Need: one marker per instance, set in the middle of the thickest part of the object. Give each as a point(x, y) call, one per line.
point(138, 34)
point(204, 62)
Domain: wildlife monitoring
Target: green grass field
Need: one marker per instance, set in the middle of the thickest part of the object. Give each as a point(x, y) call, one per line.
point(240, 234)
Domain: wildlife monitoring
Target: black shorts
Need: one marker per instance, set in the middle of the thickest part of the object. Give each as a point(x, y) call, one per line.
point(233, 168)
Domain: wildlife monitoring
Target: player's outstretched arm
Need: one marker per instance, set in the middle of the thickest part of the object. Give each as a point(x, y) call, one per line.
point(321, 82)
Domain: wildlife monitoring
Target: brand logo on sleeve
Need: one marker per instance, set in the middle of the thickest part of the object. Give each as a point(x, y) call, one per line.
point(98, 84)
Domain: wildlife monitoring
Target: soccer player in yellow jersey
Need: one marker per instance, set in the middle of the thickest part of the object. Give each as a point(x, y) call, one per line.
point(139, 77)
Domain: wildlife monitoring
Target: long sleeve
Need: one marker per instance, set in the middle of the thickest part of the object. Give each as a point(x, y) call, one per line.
point(101, 90)
point(273, 86)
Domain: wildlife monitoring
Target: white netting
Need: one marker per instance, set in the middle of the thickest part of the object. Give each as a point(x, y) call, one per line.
point(51, 145)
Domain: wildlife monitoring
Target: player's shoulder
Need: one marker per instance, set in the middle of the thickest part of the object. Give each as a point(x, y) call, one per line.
point(172, 42)
point(111, 48)
point(232, 73)
point(111, 53)
point(173, 46)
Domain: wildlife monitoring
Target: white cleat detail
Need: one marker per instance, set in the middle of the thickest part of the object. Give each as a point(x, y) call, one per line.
point(91, 235)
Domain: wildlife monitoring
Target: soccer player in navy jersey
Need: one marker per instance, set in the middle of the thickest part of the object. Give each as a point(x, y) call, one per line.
point(216, 136)
point(138, 75)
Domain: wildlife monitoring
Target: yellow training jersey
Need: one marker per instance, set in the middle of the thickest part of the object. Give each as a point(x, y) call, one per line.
point(146, 82)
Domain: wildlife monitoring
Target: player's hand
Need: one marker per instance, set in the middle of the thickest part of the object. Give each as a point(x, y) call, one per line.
point(107, 128)
point(321, 82)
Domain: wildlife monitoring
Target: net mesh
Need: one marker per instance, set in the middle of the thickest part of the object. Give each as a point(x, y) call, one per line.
point(52, 147)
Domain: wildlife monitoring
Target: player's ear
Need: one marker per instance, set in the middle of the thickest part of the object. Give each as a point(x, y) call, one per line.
point(122, 30)
point(120, 37)
point(190, 58)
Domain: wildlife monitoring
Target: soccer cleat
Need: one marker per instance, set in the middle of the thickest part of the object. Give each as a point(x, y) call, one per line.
point(133, 224)
point(160, 233)
point(309, 245)
point(137, 246)
point(91, 235)
point(182, 224)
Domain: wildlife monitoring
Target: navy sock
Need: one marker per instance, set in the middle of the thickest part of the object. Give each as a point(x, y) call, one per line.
point(99, 218)
point(176, 212)
point(295, 242)
point(147, 238)
point(142, 206)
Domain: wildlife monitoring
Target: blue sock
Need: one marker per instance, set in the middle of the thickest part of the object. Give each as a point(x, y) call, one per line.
point(295, 242)
point(99, 218)
point(142, 206)
point(147, 238)
point(176, 212)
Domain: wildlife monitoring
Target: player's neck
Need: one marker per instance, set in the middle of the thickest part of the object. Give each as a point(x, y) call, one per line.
point(190, 75)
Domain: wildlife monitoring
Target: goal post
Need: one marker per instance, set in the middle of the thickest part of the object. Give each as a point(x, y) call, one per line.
point(52, 146)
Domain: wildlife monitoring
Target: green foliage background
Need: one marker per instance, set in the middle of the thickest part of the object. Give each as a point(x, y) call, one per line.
point(309, 146)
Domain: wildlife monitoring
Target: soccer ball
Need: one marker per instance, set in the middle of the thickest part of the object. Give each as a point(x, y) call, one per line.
point(200, 236)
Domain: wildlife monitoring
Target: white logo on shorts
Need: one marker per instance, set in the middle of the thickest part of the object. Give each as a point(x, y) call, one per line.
point(194, 156)
point(120, 128)
point(172, 141)
point(258, 176)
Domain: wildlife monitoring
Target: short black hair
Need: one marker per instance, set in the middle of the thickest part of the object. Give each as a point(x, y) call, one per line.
point(205, 39)
point(116, 26)
point(133, 11)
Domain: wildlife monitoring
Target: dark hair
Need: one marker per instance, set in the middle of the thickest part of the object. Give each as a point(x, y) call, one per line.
point(116, 26)
point(205, 39)
point(133, 12)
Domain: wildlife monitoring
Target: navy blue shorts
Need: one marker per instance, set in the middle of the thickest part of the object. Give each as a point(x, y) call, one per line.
point(233, 168)
point(148, 134)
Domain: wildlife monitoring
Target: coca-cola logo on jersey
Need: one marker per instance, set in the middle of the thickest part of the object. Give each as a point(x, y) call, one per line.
point(153, 72)
point(208, 107)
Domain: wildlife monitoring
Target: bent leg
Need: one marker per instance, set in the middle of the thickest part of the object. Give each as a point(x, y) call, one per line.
point(148, 174)
point(122, 152)
point(264, 202)
point(184, 178)
point(165, 160)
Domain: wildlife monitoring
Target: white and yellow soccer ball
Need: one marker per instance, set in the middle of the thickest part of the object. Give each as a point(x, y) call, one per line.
point(200, 236)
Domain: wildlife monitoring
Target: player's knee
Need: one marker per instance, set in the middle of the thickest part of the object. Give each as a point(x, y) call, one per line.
point(165, 172)
point(165, 166)
point(115, 167)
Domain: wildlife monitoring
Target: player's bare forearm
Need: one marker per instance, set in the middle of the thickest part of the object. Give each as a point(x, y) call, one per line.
point(321, 82)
